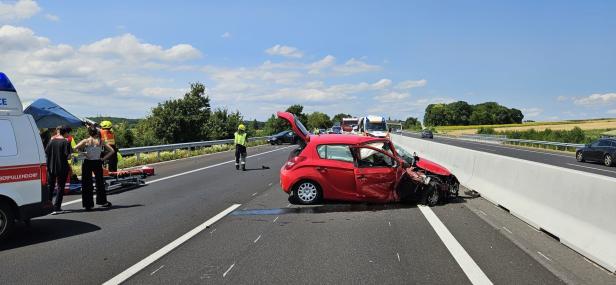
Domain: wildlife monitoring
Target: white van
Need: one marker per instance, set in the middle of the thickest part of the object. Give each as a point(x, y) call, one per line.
point(374, 126)
point(23, 170)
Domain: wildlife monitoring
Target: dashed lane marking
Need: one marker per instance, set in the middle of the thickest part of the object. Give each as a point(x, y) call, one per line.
point(507, 230)
point(254, 194)
point(482, 212)
point(544, 256)
point(226, 272)
point(256, 240)
point(397, 254)
point(466, 262)
point(154, 272)
point(276, 219)
point(168, 248)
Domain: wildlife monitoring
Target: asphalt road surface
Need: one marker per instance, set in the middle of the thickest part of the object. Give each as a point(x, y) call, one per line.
point(263, 239)
point(537, 155)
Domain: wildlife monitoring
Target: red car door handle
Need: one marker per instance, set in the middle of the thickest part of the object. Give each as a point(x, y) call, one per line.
point(321, 169)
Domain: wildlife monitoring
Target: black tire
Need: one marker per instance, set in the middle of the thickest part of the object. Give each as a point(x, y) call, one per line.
point(579, 156)
point(608, 160)
point(431, 195)
point(307, 192)
point(7, 221)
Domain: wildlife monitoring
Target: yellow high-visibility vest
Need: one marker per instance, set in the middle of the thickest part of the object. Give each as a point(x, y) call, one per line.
point(240, 138)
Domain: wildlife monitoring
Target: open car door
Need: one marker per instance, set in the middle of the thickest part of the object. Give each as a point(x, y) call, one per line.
point(377, 173)
point(297, 126)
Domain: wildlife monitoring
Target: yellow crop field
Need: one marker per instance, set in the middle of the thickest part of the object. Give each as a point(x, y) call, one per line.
point(540, 126)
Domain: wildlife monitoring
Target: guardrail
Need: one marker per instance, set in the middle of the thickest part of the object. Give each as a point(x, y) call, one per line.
point(534, 142)
point(504, 139)
point(172, 147)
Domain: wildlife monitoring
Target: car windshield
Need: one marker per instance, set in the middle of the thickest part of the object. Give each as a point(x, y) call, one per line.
point(376, 126)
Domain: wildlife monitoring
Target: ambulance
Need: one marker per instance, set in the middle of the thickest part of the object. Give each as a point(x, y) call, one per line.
point(23, 170)
point(373, 126)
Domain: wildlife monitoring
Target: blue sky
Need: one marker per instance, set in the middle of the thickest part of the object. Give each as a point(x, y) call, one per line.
point(552, 59)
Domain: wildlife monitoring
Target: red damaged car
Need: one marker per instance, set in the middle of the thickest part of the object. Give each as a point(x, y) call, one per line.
point(357, 168)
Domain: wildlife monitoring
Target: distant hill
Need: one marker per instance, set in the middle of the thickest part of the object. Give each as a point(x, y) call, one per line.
point(116, 120)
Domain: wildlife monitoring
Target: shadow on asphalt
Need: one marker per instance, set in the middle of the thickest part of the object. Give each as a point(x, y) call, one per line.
point(323, 209)
point(100, 209)
point(45, 230)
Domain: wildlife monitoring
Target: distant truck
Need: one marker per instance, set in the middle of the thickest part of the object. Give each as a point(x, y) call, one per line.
point(374, 126)
point(348, 124)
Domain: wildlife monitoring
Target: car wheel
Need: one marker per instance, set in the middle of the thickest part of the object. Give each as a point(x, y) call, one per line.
point(7, 221)
point(607, 160)
point(431, 195)
point(307, 192)
point(454, 189)
point(579, 156)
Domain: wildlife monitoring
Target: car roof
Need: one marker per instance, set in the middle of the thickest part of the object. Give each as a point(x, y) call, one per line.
point(342, 139)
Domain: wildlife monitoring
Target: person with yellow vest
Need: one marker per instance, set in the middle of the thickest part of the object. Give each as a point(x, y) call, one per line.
point(108, 137)
point(240, 147)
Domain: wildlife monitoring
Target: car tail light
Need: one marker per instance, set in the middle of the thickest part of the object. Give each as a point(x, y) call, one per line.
point(294, 161)
point(43, 174)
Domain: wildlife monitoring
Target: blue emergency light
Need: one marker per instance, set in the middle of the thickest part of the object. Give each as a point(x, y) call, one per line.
point(5, 83)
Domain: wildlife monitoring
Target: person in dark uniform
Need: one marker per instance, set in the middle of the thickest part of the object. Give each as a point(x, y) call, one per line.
point(240, 147)
point(58, 153)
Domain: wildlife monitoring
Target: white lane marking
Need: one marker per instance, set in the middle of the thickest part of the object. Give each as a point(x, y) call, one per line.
point(507, 230)
point(256, 240)
point(230, 267)
point(276, 219)
point(398, 256)
point(466, 262)
point(168, 248)
point(389, 223)
point(483, 213)
point(539, 252)
point(154, 272)
point(270, 184)
point(253, 194)
point(591, 167)
point(187, 172)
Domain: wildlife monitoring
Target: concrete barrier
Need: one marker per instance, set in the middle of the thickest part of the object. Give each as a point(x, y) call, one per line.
point(577, 207)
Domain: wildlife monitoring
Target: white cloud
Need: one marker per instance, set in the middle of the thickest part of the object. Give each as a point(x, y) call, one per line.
point(128, 47)
point(93, 78)
point(20, 10)
point(317, 66)
point(409, 84)
point(225, 35)
point(392, 97)
point(532, 112)
point(562, 98)
point(353, 66)
point(596, 99)
point(285, 51)
point(52, 17)
point(383, 83)
point(612, 111)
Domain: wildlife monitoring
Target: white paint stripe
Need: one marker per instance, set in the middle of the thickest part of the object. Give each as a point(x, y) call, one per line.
point(591, 167)
point(187, 172)
point(483, 213)
point(154, 272)
point(168, 248)
point(539, 252)
point(389, 223)
point(256, 240)
point(507, 230)
point(276, 219)
point(468, 265)
point(254, 194)
point(398, 256)
point(230, 267)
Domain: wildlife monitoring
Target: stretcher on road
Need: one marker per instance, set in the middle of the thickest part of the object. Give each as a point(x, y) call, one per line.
point(119, 180)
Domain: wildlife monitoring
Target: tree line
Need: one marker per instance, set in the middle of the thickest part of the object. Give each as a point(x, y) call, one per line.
point(461, 113)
